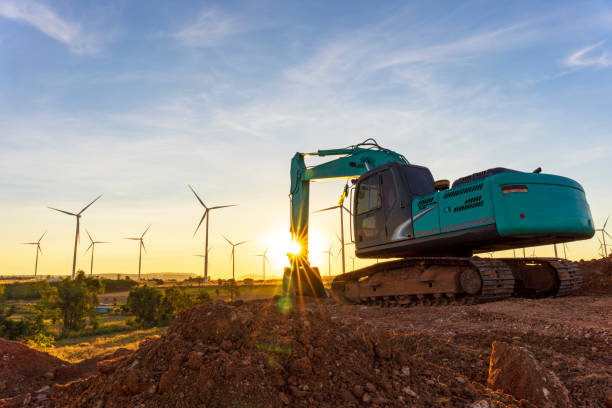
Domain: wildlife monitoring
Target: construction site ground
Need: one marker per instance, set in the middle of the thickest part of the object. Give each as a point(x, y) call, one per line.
point(322, 353)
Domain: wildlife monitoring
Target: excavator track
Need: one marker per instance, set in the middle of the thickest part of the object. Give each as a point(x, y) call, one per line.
point(570, 278)
point(496, 279)
point(544, 277)
point(486, 280)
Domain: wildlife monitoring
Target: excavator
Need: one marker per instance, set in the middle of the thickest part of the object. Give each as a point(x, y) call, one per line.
point(428, 232)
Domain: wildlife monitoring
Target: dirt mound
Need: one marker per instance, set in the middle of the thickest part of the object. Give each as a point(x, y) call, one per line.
point(597, 277)
point(26, 375)
point(22, 368)
point(220, 355)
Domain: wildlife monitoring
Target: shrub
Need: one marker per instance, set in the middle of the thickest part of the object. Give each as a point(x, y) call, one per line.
point(145, 302)
point(203, 297)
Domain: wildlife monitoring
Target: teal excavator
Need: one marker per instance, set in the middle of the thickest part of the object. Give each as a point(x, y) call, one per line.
point(429, 230)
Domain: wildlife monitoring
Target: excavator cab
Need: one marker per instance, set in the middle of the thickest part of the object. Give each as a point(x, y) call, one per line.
point(383, 202)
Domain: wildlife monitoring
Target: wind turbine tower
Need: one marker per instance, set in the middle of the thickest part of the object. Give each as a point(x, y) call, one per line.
point(37, 243)
point(329, 255)
point(207, 216)
point(341, 209)
point(603, 237)
point(140, 248)
point(93, 247)
point(264, 258)
point(76, 236)
point(232, 256)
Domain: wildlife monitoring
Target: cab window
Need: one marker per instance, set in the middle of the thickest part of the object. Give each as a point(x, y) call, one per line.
point(368, 196)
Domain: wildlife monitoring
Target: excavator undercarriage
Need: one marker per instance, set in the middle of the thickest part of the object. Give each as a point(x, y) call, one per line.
point(438, 281)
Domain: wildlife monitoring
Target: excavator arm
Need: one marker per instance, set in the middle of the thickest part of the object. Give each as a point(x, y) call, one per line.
point(355, 161)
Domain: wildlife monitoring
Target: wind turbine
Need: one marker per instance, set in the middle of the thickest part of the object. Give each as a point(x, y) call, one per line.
point(37, 243)
point(341, 209)
point(264, 258)
point(353, 259)
point(603, 237)
point(140, 248)
point(329, 255)
point(341, 250)
point(93, 247)
point(206, 212)
point(232, 256)
point(76, 236)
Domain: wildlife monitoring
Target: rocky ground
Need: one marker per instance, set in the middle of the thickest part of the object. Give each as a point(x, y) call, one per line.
point(528, 353)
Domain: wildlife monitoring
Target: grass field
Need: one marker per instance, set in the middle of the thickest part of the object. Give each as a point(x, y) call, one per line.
point(80, 348)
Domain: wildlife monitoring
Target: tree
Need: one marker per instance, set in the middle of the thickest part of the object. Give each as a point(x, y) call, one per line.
point(176, 299)
point(48, 304)
point(76, 300)
point(145, 302)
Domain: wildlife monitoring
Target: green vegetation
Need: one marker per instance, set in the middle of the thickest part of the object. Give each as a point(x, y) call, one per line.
point(29, 327)
point(31, 290)
point(154, 308)
point(76, 300)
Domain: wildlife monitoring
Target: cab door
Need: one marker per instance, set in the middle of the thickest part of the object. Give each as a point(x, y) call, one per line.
point(369, 212)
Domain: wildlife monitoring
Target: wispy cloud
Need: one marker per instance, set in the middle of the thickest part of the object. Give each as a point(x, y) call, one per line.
point(592, 55)
point(211, 28)
point(48, 22)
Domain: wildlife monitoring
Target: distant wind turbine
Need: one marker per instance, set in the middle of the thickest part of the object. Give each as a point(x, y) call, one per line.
point(329, 255)
point(76, 236)
point(341, 209)
point(207, 216)
point(140, 248)
point(233, 256)
point(264, 258)
point(93, 247)
point(353, 259)
point(203, 256)
point(603, 237)
point(37, 243)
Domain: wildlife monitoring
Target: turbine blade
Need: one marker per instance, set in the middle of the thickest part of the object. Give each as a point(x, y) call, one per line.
point(223, 206)
point(90, 238)
point(604, 226)
point(197, 196)
point(39, 248)
point(133, 239)
point(606, 232)
point(90, 245)
point(266, 251)
point(41, 237)
point(144, 247)
point(200, 223)
point(143, 234)
point(347, 210)
point(326, 209)
point(65, 212)
point(29, 243)
point(338, 236)
point(243, 242)
point(228, 241)
point(89, 205)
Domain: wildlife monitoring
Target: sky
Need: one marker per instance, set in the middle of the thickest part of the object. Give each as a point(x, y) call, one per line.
point(136, 99)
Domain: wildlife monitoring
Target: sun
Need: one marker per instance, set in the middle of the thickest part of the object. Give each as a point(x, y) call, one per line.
point(281, 244)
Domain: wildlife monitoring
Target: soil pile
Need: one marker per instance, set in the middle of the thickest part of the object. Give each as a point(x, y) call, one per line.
point(26, 375)
point(252, 354)
point(597, 277)
point(23, 369)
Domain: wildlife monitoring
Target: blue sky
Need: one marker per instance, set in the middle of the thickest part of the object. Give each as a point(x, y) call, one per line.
point(137, 99)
